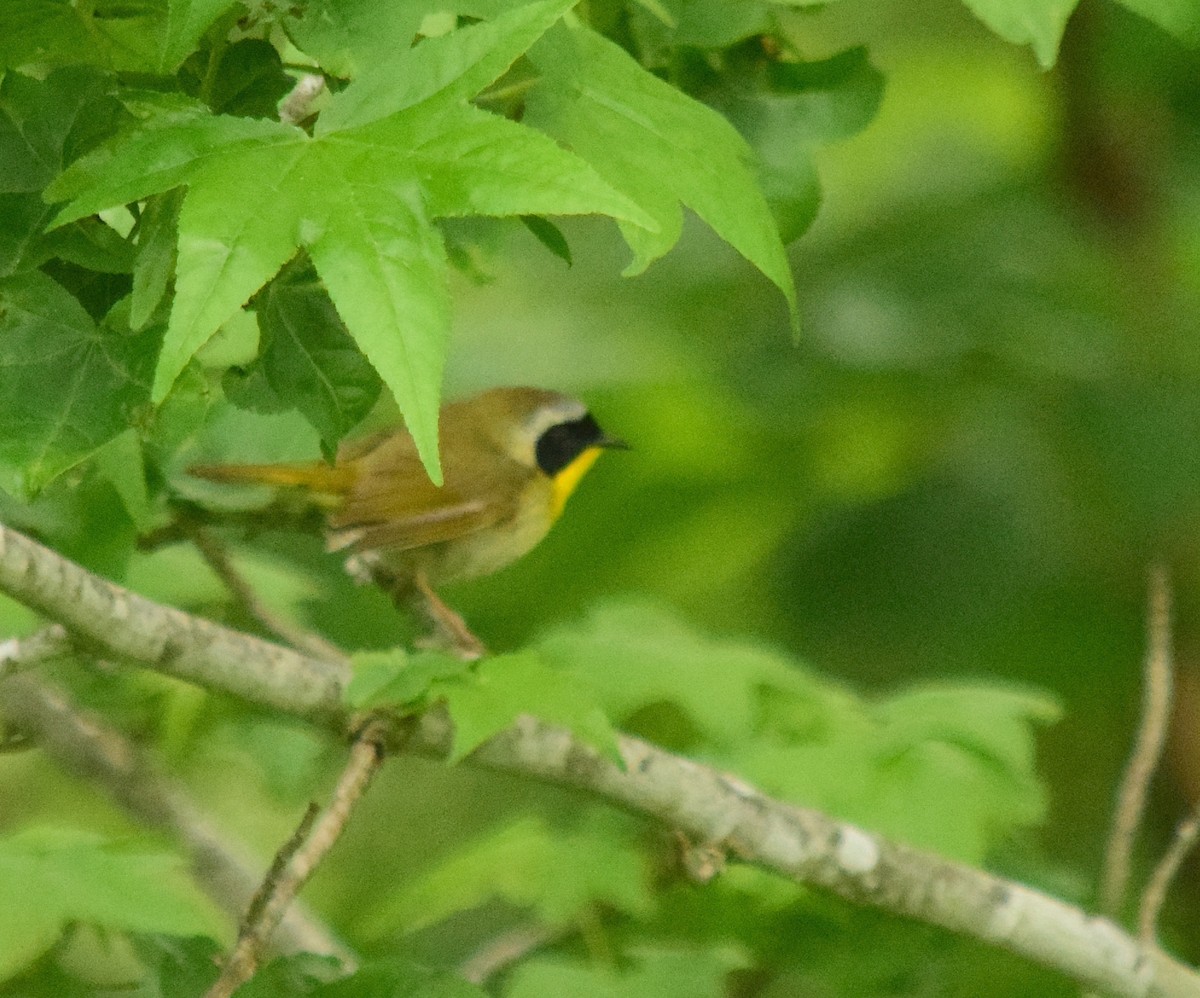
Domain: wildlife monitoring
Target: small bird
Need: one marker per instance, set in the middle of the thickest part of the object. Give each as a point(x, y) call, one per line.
point(511, 457)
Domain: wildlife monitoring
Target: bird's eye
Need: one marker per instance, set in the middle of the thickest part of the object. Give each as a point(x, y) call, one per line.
point(561, 444)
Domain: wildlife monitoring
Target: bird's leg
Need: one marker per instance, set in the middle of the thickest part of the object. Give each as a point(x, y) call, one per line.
point(450, 631)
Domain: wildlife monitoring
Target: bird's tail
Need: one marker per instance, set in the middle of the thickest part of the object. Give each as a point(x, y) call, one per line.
point(319, 478)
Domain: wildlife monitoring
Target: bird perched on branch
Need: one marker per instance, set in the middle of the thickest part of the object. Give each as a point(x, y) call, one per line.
point(511, 457)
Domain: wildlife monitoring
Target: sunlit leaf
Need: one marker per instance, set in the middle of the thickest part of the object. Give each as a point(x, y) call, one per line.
point(452, 67)
point(395, 678)
point(1038, 23)
point(505, 687)
point(557, 873)
point(78, 876)
point(626, 122)
point(636, 656)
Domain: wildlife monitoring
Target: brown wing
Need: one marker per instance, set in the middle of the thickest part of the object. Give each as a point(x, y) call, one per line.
point(393, 506)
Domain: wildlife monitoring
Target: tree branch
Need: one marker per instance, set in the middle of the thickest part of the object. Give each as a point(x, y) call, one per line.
point(124, 625)
point(707, 805)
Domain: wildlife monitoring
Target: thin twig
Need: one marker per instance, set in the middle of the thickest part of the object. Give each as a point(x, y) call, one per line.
point(1147, 750)
point(283, 856)
point(1155, 894)
point(217, 557)
point(300, 857)
point(506, 949)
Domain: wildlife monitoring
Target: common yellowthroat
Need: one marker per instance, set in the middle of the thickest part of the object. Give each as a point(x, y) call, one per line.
point(511, 457)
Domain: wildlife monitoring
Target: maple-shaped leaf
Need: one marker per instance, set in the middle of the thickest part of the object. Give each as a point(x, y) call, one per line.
point(635, 655)
point(79, 877)
point(395, 150)
point(600, 102)
point(557, 873)
point(506, 687)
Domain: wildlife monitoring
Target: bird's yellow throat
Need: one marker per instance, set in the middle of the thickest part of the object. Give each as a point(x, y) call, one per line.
point(566, 480)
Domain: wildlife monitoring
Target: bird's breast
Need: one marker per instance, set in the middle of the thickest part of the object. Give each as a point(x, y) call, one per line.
point(492, 548)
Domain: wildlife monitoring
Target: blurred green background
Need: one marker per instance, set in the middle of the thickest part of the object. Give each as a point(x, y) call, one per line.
point(985, 434)
point(964, 467)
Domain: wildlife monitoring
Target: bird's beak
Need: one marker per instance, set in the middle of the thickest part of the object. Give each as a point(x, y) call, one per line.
point(612, 443)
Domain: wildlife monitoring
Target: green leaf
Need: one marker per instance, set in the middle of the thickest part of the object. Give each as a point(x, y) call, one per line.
point(990, 722)
point(346, 36)
point(454, 67)
point(397, 679)
point(248, 79)
point(120, 461)
point(23, 217)
point(130, 34)
point(91, 244)
point(385, 267)
point(1038, 23)
point(44, 124)
point(174, 967)
point(1179, 17)
point(788, 112)
point(45, 32)
point(187, 20)
point(506, 687)
point(168, 149)
point(549, 235)
point(226, 255)
point(557, 873)
point(235, 344)
point(399, 978)
point(248, 388)
point(649, 973)
point(476, 163)
point(361, 202)
point(77, 876)
point(635, 656)
point(180, 416)
point(247, 210)
point(155, 260)
point(70, 386)
point(658, 146)
point(309, 358)
point(717, 24)
point(893, 765)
